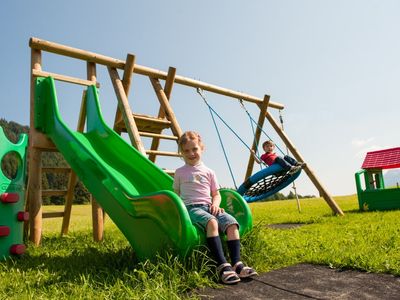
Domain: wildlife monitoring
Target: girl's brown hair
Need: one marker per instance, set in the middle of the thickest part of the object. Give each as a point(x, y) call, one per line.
point(189, 136)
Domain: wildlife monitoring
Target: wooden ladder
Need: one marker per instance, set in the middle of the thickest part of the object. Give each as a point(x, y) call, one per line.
point(139, 125)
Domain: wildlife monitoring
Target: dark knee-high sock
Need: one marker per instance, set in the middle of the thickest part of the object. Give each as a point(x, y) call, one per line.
point(215, 246)
point(234, 250)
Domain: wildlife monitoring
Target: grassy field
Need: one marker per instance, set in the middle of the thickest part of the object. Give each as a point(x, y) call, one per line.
point(75, 267)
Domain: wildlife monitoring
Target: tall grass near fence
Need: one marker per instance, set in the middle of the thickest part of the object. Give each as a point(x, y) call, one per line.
point(75, 267)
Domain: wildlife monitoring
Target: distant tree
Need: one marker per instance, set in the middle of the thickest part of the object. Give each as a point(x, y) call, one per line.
point(291, 195)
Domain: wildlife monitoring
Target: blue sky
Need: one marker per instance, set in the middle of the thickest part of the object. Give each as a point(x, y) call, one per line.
point(335, 65)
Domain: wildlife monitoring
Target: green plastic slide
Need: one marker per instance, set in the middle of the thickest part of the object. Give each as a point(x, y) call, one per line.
point(135, 193)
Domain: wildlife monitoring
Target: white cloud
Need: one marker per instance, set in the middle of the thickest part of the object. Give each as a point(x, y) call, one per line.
point(360, 142)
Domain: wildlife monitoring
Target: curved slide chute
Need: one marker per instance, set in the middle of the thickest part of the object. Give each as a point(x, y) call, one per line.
point(135, 193)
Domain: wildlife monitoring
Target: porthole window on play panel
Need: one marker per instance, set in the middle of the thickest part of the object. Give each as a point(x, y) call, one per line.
point(10, 164)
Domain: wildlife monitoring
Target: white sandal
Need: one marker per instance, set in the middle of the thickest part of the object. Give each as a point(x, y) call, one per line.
point(245, 272)
point(229, 276)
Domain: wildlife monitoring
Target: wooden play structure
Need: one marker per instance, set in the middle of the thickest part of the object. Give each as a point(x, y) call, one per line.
point(375, 196)
point(137, 126)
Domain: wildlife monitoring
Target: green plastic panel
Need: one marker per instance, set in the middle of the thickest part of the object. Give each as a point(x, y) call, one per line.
point(135, 193)
point(12, 198)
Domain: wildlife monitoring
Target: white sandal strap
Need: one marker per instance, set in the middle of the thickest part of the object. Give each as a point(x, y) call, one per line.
point(237, 264)
point(222, 266)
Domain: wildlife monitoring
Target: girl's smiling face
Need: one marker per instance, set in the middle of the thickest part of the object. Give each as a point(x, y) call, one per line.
point(191, 152)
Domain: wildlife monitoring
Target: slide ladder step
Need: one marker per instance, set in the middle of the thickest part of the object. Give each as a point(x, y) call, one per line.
point(54, 192)
point(53, 214)
point(169, 172)
point(163, 153)
point(56, 169)
point(159, 136)
point(147, 123)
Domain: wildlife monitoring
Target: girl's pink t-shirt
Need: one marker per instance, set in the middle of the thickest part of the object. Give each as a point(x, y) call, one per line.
point(195, 183)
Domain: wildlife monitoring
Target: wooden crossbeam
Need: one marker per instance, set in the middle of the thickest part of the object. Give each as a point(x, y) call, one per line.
point(39, 44)
point(64, 78)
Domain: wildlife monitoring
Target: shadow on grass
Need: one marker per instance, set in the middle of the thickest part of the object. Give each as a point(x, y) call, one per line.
point(77, 259)
point(91, 262)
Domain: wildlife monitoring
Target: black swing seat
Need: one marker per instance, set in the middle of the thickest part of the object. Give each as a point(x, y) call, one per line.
point(266, 182)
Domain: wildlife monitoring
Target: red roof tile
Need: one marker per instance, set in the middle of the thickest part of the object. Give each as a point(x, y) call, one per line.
point(382, 159)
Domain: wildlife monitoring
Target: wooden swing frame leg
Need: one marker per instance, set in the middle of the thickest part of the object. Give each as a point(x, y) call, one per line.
point(310, 173)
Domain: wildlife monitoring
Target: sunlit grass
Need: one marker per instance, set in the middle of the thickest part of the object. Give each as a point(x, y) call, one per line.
point(367, 241)
point(75, 267)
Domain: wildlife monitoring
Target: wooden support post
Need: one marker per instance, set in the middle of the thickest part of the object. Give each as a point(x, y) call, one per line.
point(98, 216)
point(322, 191)
point(161, 113)
point(123, 104)
point(256, 141)
point(126, 83)
point(68, 202)
point(169, 113)
point(98, 213)
point(34, 164)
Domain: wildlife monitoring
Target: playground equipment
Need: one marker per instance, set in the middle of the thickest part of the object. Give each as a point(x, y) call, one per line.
point(137, 126)
point(12, 198)
point(135, 193)
point(376, 196)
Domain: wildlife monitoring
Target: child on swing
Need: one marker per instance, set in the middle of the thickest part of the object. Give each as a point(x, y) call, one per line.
point(197, 185)
point(269, 157)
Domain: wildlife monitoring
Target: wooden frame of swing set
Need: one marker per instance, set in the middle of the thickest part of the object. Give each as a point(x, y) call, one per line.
point(39, 143)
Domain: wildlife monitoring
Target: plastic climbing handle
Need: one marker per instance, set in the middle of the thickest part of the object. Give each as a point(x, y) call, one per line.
point(4, 230)
point(9, 197)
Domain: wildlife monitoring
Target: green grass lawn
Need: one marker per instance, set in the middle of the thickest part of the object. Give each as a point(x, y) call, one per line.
point(75, 267)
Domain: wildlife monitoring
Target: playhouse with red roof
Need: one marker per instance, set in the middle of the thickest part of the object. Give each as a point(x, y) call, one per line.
point(375, 196)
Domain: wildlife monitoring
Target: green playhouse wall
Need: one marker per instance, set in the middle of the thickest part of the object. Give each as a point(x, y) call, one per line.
point(12, 198)
point(376, 198)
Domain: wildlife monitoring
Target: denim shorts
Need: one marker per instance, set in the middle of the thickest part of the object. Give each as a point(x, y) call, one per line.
point(200, 216)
